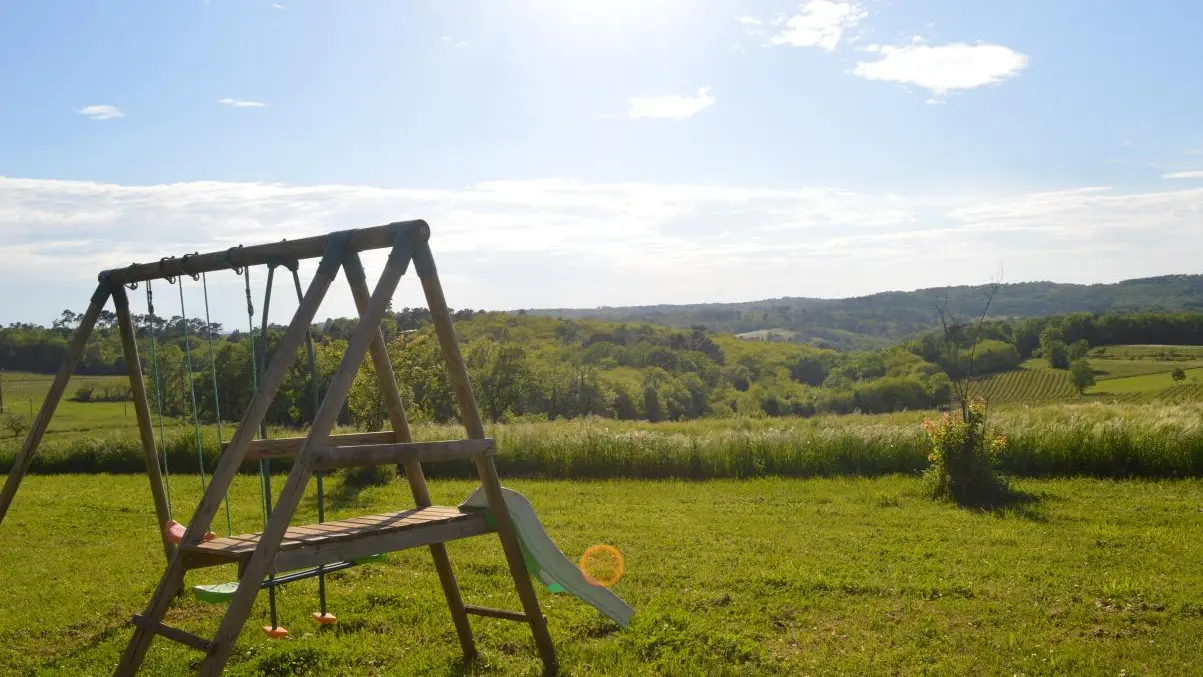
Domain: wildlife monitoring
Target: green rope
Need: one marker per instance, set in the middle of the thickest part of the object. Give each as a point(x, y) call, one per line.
point(264, 464)
point(155, 378)
point(200, 452)
point(216, 399)
point(250, 320)
point(313, 383)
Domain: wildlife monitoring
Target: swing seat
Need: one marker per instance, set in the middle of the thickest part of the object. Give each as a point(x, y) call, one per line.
point(324, 618)
point(175, 532)
point(219, 593)
point(275, 633)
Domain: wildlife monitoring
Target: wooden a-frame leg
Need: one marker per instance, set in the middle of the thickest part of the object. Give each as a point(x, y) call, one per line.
point(173, 578)
point(298, 478)
point(486, 468)
point(413, 470)
point(129, 346)
point(38, 429)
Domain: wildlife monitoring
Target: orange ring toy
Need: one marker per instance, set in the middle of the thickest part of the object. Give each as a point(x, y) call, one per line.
point(593, 552)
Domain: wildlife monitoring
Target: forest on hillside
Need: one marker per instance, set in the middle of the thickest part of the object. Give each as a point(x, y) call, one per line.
point(881, 319)
point(536, 367)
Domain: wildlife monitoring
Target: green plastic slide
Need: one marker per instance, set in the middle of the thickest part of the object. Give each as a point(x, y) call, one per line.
point(547, 564)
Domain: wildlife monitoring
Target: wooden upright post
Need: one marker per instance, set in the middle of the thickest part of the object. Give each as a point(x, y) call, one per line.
point(486, 468)
point(413, 470)
point(129, 347)
point(23, 460)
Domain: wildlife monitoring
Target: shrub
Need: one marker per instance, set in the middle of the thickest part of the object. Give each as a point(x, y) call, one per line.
point(369, 476)
point(17, 424)
point(964, 457)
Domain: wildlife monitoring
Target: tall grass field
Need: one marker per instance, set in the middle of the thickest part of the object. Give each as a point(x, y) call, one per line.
point(1093, 439)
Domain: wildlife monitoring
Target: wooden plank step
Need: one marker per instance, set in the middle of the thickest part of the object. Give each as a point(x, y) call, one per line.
point(497, 613)
point(174, 634)
point(332, 458)
point(329, 542)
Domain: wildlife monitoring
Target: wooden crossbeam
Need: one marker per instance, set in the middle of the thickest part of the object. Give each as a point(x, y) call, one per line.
point(364, 239)
point(333, 458)
point(286, 447)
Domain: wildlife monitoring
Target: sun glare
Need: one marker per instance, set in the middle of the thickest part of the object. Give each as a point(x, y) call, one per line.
point(592, 16)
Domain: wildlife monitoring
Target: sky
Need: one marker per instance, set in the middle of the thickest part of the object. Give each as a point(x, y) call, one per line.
point(580, 153)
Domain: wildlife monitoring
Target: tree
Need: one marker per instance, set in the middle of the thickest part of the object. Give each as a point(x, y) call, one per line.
point(499, 374)
point(1078, 349)
point(808, 369)
point(1057, 354)
point(1052, 346)
point(1178, 375)
point(364, 400)
point(1082, 374)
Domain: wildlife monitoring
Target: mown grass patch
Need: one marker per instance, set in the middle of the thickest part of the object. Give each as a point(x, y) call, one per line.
point(1145, 383)
point(1106, 369)
point(763, 577)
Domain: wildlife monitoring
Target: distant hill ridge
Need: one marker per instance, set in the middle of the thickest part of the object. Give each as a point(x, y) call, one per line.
point(882, 318)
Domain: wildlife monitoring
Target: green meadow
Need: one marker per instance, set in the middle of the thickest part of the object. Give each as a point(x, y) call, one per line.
point(834, 576)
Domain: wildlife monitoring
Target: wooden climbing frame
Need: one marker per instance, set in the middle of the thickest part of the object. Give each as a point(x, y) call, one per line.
point(282, 546)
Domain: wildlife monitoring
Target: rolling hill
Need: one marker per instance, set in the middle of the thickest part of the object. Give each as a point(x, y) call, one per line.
point(880, 319)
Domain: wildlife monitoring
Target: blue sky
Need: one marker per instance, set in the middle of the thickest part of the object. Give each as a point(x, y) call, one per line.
point(578, 153)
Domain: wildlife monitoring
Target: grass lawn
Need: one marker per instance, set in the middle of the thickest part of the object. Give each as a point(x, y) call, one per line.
point(1146, 383)
point(765, 577)
point(1149, 352)
point(25, 392)
point(1106, 369)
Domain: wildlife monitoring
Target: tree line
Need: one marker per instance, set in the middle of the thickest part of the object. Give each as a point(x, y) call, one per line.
point(534, 367)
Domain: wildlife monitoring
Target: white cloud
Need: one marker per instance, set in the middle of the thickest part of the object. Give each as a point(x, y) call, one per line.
point(241, 103)
point(276, 5)
point(1189, 174)
point(819, 23)
point(674, 106)
point(942, 68)
point(748, 20)
point(101, 112)
point(555, 243)
point(453, 43)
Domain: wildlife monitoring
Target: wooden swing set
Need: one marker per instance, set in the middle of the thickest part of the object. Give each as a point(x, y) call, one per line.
point(315, 549)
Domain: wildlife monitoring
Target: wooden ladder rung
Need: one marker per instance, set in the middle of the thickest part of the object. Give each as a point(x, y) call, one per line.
point(332, 458)
point(496, 613)
point(174, 634)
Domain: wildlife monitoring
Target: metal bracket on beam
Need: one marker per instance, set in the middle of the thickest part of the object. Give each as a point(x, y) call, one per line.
point(336, 251)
